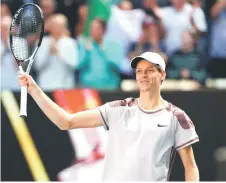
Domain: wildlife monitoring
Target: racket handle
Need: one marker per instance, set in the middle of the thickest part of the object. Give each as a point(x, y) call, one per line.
point(23, 102)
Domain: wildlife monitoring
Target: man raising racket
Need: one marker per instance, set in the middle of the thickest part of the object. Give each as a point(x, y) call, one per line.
point(144, 132)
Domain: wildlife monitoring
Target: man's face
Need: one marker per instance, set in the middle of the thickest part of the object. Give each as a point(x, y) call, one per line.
point(96, 30)
point(48, 7)
point(5, 27)
point(148, 76)
point(57, 24)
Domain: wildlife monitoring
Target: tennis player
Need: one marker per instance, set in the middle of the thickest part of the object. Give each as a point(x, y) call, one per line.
point(144, 132)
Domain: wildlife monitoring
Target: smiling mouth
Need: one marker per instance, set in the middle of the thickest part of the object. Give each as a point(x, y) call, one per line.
point(144, 81)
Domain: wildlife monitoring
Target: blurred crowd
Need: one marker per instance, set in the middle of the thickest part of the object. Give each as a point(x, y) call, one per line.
point(91, 43)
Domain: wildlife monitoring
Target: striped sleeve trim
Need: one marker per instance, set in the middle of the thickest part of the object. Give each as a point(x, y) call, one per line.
point(187, 143)
point(106, 127)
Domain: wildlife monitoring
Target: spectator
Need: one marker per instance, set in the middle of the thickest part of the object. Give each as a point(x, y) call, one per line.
point(149, 40)
point(9, 67)
point(49, 8)
point(57, 57)
point(97, 9)
point(10, 6)
point(100, 59)
point(177, 18)
point(76, 12)
point(202, 37)
point(125, 26)
point(5, 10)
point(217, 65)
point(186, 63)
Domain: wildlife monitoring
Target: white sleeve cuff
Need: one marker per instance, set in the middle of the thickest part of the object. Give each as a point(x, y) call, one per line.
point(187, 143)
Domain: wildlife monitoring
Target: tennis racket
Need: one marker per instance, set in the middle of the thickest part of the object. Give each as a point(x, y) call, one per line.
point(26, 33)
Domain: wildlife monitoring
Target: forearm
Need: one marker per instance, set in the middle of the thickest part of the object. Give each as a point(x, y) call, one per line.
point(192, 174)
point(216, 9)
point(55, 113)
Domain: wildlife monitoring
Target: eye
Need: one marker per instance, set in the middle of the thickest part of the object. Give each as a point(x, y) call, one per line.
point(138, 71)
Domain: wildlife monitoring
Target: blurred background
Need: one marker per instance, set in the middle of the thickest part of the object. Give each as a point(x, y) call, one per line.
point(84, 61)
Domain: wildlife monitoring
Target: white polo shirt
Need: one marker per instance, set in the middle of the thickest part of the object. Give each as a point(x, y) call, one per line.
point(142, 143)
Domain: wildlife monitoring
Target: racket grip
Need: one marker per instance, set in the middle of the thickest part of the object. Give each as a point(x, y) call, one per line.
point(23, 102)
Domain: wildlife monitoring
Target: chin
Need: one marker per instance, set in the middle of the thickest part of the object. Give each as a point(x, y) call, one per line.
point(145, 89)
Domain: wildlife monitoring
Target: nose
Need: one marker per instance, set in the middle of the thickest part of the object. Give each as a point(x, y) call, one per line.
point(144, 74)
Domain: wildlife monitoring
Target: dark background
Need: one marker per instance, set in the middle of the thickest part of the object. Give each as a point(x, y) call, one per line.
point(206, 108)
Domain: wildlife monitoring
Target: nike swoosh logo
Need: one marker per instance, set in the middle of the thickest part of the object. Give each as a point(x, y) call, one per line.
point(162, 125)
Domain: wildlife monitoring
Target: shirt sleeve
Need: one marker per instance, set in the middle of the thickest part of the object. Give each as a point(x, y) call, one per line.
point(185, 131)
point(199, 19)
point(109, 113)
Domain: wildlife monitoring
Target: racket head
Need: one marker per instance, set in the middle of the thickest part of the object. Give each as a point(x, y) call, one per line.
point(26, 32)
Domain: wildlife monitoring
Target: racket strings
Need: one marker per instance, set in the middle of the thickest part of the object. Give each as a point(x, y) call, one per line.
point(26, 32)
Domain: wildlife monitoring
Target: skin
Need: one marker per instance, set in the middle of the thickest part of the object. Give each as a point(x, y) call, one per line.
point(58, 23)
point(5, 11)
point(48, 7)
point(217, 8)
point(96, 31)
point(5, 28)
point(148, 79)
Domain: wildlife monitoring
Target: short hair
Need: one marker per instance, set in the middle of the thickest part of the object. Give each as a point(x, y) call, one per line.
point(158, 68)
point(62, 18)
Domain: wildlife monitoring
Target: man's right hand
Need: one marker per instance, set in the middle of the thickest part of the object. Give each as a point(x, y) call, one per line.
point(27, 80)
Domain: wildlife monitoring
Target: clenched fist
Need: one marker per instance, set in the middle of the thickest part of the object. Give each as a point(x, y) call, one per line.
point(26, 80)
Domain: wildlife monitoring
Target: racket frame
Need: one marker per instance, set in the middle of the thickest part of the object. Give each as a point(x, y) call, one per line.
point(23, 96)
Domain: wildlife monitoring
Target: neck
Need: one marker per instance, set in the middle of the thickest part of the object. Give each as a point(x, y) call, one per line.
point(57, 36)
point(99, 41)
point(150, 100)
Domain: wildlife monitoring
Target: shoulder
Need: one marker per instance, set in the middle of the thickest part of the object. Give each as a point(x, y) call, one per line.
point(128, 102)
point(45, 42)
point(168, 9)
point(108, 41)
point(46, 38)
point(181, 117)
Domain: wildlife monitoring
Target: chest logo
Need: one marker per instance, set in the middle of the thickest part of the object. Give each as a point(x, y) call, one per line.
point(159, 125)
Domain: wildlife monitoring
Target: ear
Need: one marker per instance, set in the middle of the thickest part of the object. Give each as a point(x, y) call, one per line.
point(163, 75)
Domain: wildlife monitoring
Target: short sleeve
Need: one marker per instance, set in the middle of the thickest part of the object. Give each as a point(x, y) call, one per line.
point(185, 130)
point(109, 113)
